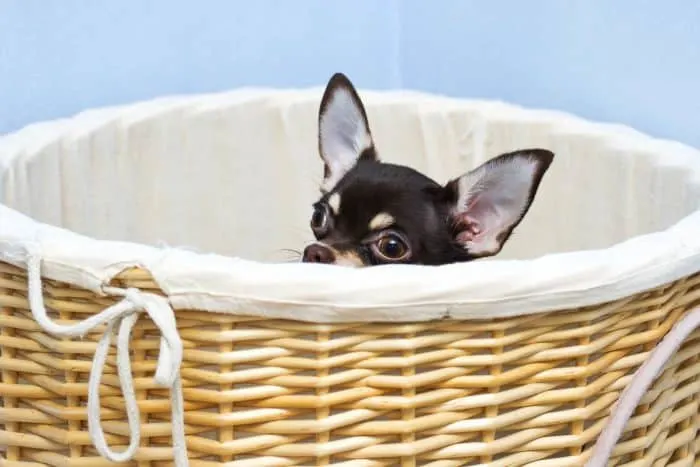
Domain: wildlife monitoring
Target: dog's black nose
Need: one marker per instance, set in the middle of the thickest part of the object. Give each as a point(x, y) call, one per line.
point(317, 253)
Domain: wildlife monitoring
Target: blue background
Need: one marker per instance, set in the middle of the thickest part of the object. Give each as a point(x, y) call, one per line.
point(629, 61)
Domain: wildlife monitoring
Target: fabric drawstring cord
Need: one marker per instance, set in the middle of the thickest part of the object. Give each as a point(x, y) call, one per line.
point(122, 315)
point(641, 381)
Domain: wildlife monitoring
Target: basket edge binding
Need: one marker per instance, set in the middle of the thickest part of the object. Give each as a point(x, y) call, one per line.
point(327, 294)
point(475, 290)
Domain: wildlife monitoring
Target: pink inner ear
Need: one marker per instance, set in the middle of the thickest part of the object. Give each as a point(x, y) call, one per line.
point(472, 219)
point(493, 198)
point(479, 224)
point(469, 229)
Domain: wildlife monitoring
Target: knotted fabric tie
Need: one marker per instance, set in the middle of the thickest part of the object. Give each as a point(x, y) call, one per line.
point(123, 315)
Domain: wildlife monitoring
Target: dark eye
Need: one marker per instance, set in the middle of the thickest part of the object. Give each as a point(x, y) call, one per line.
point(319, 220)
point(391, 247)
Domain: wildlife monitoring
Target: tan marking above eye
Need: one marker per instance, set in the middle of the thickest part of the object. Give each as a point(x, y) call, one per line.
point(334, 203)
point(381, 221)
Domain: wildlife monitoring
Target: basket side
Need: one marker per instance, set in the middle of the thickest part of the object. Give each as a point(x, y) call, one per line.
point(531, 390)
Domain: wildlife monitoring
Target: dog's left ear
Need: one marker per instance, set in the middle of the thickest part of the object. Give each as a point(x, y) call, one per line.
point(343, 130)
point(491, 200)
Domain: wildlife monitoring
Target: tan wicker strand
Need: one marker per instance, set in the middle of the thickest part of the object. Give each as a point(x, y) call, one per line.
point(532, 390)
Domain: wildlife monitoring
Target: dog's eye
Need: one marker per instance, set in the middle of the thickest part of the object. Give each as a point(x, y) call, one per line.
point(319, 219)
point(391, 247)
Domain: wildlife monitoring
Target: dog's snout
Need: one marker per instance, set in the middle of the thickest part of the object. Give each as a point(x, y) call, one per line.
point(317, 253)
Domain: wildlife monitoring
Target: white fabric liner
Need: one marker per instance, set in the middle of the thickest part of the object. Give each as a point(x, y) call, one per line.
point(646, 185)
point(618, 210)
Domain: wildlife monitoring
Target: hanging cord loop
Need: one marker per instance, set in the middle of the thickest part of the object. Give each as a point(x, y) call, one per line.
point(123, 315)
point(642, 379)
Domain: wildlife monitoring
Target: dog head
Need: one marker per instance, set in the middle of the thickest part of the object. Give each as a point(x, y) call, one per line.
point(373, 213)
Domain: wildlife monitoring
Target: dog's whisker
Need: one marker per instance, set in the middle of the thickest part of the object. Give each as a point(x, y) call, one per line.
point(290, 250)
point(290, 255)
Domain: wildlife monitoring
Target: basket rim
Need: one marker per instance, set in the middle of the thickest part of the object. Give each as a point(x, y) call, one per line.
point(487, 289)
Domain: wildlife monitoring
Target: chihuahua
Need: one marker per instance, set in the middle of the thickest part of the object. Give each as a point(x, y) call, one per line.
point(372, 213)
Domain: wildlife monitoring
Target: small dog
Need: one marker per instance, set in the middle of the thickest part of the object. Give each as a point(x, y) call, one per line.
point(372, 213)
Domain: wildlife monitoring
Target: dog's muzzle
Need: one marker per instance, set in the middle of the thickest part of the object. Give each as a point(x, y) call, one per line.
point(318, 253)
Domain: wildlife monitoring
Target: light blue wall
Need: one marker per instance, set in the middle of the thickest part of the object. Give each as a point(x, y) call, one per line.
point(630, 61)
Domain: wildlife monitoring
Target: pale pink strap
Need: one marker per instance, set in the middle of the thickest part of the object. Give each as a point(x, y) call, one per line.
point(642, 379)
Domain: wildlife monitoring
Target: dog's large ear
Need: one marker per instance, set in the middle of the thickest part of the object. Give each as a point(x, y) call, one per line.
point(343, 130)
point(491, 200)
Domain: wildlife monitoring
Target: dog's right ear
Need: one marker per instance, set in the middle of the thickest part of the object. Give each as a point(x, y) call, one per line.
point(343, 131)
point(491, 200)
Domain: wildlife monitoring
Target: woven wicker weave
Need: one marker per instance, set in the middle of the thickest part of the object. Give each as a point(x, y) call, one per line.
point(533, 390)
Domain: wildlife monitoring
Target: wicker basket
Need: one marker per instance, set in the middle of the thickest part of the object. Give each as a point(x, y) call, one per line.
point(512, 383)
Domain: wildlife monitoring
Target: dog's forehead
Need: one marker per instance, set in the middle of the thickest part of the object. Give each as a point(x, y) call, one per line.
point(374, 196)
point(383, 179)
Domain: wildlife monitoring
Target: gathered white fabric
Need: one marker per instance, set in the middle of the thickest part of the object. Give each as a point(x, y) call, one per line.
point(124, 314)
point(321, 293)
point(616, 214)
